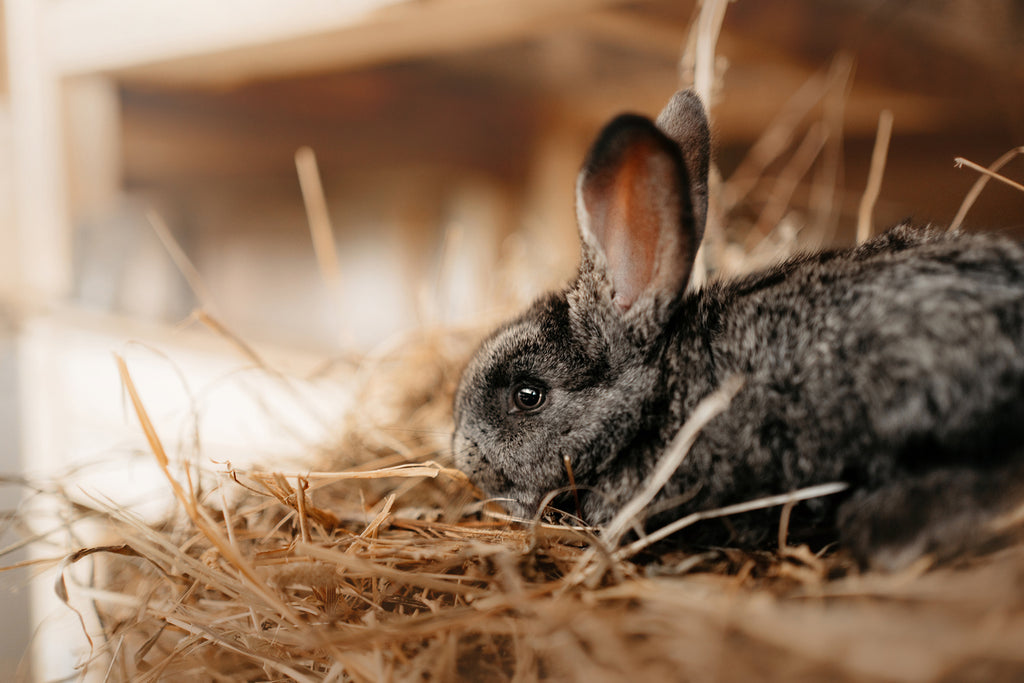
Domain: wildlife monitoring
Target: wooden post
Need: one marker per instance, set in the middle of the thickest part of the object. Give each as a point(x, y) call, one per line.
point(44, 241)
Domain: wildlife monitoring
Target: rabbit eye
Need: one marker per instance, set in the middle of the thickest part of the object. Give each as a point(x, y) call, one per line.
point(527, 397)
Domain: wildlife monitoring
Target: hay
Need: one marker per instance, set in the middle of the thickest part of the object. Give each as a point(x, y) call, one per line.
point(391, 570)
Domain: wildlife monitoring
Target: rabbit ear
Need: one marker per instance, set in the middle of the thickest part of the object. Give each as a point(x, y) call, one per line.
point(684, 121)
point(636, 216)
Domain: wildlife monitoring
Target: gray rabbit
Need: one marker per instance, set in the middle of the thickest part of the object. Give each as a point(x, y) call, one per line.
point(896, 367)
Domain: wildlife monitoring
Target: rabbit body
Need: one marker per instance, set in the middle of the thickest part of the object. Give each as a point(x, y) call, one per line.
point(896, 367)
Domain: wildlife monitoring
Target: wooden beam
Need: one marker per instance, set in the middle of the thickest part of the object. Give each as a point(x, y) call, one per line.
point(108, 35)
point(197, 42)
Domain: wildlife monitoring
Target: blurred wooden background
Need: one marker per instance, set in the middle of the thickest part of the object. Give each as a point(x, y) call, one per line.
point(448, 134)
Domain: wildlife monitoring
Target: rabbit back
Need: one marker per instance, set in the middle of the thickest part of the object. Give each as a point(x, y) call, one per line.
point(873, 366)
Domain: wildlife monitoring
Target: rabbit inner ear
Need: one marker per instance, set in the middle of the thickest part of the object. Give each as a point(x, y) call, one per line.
point(634, 210)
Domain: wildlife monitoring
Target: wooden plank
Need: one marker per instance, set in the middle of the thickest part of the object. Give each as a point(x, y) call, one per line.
point(44, 242)
point(196, 41)
point(160, 30)
point(3, 52)
point(10, 285)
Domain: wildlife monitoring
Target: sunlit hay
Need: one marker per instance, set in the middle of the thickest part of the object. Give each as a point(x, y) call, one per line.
point(387, 570)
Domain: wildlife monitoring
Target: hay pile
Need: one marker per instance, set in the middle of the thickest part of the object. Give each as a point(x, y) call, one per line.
point(389, 567)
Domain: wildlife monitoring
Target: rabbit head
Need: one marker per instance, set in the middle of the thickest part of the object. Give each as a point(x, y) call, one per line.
point(572, 378)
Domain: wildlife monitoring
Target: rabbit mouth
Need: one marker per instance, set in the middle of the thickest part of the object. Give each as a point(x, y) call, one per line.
point(493, 479)
point(504, 491)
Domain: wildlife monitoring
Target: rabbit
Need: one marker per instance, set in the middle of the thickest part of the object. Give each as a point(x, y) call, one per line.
point(896, 367)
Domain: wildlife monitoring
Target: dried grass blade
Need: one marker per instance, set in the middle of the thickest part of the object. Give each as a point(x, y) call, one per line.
point(758, 504)
point(359, 565)
point(785, 185)
point(674, 455)
point(980, 184)
point(212, 637)
point(218, 328)
point(318, 218)
point(709, 26)
point(181, 260)
point(300, 509)
point(201, 521)
point(430, 470)
point(426, 625)
point(381, 517)
point(773, 142)
point(960, 162)
point(874, 185)
point(599, 554)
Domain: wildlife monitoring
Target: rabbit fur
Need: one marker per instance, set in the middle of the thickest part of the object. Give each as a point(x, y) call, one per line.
point(896, 367)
